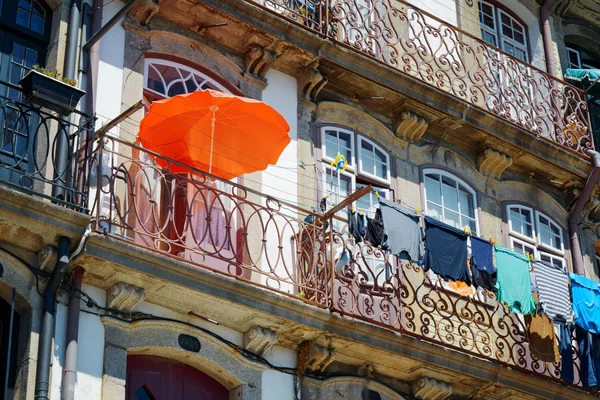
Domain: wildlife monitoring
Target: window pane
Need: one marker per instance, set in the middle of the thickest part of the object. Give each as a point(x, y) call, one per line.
point(23, 18)
point(434, 211)
point(452, 219)
point(432, 188)
point(18, 53)
point(467, 205)
point(449, 194)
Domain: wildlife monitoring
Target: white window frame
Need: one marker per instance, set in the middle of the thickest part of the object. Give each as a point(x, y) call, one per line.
point(535, 242)
point(324, 157)
point(520, 46)
point(361, 171)
point(519, 235)
point(486, 28)
point(181, 68)
point(551, 222)
point(576, 52)
point(383, 192)
point(497, 13)
point(458, 181)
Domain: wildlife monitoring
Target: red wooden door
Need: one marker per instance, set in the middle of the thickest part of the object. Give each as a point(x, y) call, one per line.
point(157, 378)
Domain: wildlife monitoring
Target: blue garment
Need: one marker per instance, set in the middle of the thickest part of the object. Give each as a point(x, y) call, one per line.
point(482, 264)
point(588, 357)
point(586, 302)
point(566, 353)
point(446, 252)
point(360, 219)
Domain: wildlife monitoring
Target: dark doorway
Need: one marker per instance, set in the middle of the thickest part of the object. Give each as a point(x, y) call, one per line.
point(157, 378)
point(4, 333)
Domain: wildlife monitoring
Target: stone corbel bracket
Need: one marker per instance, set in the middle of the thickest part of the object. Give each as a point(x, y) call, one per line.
point(124, 297)
point(259, 340)
point(319, 357)
point(430, 389)
point(410, 127)
point(311, 82)
point(144, 10)
point(259, 60)
point(493, 163)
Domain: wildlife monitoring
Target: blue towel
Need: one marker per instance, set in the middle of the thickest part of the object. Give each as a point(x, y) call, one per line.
point(586, 302)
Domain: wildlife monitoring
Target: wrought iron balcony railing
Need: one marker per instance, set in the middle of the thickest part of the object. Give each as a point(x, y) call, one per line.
point(227, 228)
point(418, 44)
point(30, 158)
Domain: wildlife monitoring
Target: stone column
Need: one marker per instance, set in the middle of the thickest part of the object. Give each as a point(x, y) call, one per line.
point(114, 374)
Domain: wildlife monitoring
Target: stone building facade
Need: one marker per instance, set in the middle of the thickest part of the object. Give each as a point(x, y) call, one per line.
point(178, 286)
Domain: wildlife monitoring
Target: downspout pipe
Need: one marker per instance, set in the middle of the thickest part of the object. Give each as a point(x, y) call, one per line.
point(547, 36)
point(576, 213)
point(69, 70)
point(42, 376)
point(67, 391)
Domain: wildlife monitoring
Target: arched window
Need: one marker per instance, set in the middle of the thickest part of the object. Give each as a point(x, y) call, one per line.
point(165, 78)
point(450, 200)
point(502, 30)
point(533, 232)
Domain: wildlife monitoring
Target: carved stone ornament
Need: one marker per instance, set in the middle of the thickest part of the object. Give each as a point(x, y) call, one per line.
point(319, 357)
point(124, 297)
point(259, 60)
point(493, 163)
point(311, 82)
point(430, 389)
point(144, 10)
point(259, 340)
point(410, 127)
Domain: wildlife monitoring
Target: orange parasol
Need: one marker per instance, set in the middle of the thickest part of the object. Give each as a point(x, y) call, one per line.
point(223, 134)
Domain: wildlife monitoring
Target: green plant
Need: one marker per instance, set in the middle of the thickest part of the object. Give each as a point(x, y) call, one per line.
point(52, 73)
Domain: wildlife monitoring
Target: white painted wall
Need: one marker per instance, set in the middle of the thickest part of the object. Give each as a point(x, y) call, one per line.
point(90, 354)
point(281, 181)
point(110, 68)
point(442, 9)
point(279, 385)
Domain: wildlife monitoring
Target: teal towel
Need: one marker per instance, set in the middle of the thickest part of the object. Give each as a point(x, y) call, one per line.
point(514, 281)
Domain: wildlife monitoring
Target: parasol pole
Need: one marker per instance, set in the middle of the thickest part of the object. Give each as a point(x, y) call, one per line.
point(214, 110)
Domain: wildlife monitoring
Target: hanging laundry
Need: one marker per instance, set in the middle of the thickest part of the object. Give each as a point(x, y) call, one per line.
point(589, 367)
point(586, 302)
point(402, 230)
point(375, 231)
point(553, 292)
point(541, 338)
point(353, 227)
point(514, 281)
point(461, 288)
point(446, 253)
point(566, 353)
point(360, 219)
point(482, 264)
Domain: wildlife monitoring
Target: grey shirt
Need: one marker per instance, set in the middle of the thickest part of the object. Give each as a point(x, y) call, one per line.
point(553, 292)
point(401, 226)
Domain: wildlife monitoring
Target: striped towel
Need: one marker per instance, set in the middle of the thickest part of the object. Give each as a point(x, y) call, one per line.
point(553, 292)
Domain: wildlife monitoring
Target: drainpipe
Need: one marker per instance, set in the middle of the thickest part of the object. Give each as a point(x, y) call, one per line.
point(576, 213)
point(62, 143)
point(547, 36)
point(67, 391)
point(42, 375)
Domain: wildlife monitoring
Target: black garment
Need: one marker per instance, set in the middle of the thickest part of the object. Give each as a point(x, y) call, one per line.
point(482, 264)
point(446, 251)
point(374, 234)
point(401, 227)
point(361, 224)
point(353, 227)
point(566, 353)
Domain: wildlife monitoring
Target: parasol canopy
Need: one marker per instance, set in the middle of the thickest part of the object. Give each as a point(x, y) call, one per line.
point(220, 133)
